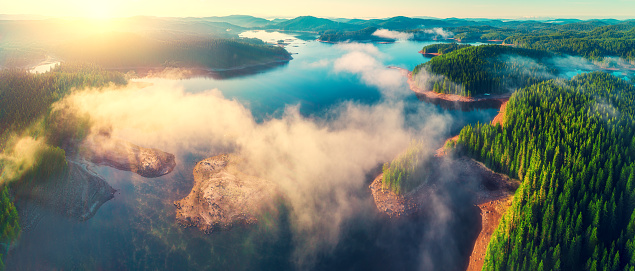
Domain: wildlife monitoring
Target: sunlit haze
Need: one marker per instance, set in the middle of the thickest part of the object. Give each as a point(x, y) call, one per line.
point(328, 8)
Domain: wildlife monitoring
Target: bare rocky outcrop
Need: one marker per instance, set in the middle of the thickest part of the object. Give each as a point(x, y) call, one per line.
point(123, 155)
point(223, 196)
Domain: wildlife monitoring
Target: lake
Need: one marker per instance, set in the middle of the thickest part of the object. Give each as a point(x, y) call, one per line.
point(137, 230)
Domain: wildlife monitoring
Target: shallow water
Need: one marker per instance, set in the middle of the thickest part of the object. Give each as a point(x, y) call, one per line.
point(45, 66)
point(137, 229)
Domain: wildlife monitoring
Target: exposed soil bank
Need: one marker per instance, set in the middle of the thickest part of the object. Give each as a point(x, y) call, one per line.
point(483, 184)
point(223, 196)
point(501, 114)
point(453, 101)
point(491, 213)
point(491, 192)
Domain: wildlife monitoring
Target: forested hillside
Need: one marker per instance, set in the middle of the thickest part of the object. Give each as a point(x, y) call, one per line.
point(592, 41)
point(365, 34)
point(123, 50)
point(572, 144)
point(483, 69)
point(25, 99)
point(310, 23)
point(24, 96)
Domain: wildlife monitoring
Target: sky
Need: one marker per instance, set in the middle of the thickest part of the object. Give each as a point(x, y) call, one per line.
point(620, 9)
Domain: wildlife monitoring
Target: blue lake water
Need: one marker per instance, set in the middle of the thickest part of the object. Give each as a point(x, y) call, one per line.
point(137, 229)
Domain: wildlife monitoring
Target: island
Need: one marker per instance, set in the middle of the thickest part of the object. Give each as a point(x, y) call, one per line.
point(223, 196)
point(123, 155)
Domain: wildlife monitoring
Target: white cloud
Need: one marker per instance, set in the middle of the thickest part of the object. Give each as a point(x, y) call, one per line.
point(385, 33)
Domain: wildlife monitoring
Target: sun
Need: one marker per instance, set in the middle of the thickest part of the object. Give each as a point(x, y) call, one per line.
point(98, 9)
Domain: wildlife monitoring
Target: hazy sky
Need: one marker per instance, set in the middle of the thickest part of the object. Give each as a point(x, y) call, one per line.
point(325, 8)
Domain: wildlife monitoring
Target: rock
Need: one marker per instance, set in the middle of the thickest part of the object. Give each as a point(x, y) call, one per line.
point(122, 155)
point(223, 196)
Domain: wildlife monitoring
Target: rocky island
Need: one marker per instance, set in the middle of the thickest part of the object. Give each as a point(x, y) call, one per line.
point(122, 155)
point(223, 196)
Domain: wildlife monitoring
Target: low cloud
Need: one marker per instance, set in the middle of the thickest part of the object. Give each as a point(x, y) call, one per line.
point(16, 160)
point(396, 35)
point(361, 59)
point(319, 165)
point(367, 48)
point(580, 63)
point(439, 32)
point(426, 80)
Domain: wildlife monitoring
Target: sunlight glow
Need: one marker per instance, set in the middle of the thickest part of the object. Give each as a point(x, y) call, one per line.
point(99, 9)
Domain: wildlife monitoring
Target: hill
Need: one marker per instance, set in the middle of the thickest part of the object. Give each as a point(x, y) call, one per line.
point(310, 23)
point(126, 50)
point(240, 20)
point(572, 144)
point(477, 70)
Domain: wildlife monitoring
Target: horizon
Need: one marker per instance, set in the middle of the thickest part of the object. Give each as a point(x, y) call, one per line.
point(353, 9)
point(9, 17)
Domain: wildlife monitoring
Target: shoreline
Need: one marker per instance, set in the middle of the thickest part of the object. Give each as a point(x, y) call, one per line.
point(453, 97)
point(191, 72)
point(453, 101)
point(493, 197)
point(492, 208)
point(432, 54)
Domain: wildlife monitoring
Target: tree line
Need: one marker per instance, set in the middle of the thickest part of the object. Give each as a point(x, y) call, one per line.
point(476, 70)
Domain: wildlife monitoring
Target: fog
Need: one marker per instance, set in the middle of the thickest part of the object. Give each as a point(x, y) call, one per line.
point(320, 165)
point(545, 69)
point(19, 157)
point(575, 62)
point(439, 32)
point(365, 61)
point(390, 34)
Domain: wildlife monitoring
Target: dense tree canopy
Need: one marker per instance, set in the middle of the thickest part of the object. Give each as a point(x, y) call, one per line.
point(483, 69)
point(572, 144)
point(24, 96)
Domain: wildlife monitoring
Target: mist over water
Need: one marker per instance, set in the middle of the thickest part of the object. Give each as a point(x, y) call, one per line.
point(319, 127)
